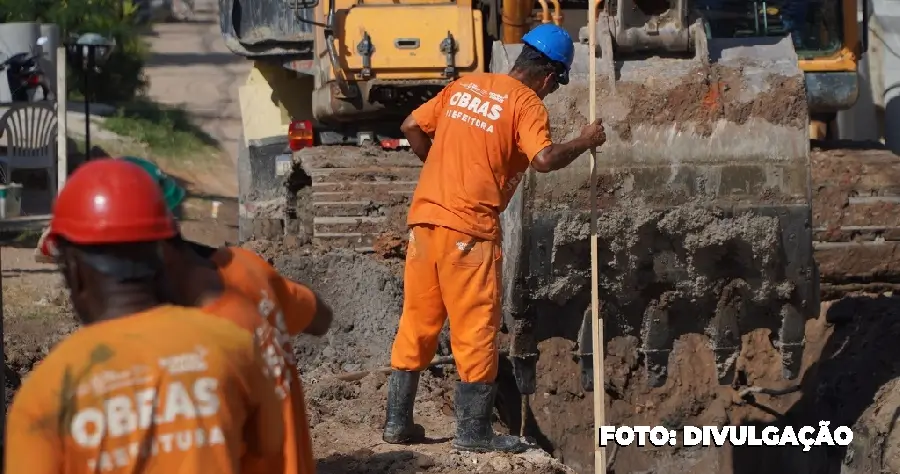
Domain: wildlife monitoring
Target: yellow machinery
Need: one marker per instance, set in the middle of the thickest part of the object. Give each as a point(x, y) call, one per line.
point(365, 57)
point(704, 183)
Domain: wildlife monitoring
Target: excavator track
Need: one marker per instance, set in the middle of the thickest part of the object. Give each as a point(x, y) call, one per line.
point(357, 194)
point(856, 216)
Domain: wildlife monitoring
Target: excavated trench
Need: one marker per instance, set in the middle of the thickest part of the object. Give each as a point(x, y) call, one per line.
point(706, 287)
point(366, 294)
point(690, 261)
point(850, 355)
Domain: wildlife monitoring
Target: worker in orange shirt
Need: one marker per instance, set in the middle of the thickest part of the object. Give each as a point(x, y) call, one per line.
point(284, 309)
point(477, 138)
point(142, 386)
point(207, 277)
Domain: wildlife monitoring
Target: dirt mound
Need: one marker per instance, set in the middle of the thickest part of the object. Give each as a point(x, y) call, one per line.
point(347, 417)
point(367, 299)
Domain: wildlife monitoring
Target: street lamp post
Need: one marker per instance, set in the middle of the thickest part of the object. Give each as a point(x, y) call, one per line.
point(88, 52)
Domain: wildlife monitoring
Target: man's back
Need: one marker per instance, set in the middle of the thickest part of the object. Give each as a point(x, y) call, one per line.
point(170, 390)
point(487, 128)
point(288, 308)
point(252, 276)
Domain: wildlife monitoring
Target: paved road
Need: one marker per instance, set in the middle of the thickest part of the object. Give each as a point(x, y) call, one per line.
point(191, 67)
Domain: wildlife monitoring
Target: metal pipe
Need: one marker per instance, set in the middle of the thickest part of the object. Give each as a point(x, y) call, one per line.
point(515, 21)
point(557, 12)
point(89, 68)
point(336, 68)
point(545, 11)
point(436, 361)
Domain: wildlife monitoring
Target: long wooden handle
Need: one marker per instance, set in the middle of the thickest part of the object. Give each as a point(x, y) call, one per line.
point(437, 360)
point(596, 320)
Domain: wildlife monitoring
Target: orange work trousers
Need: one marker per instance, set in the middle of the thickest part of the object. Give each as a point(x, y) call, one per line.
point(455, 274)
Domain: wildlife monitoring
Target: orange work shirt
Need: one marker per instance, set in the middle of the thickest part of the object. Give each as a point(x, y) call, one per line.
point(486, 129)
point(288, 308)
point(169, 390)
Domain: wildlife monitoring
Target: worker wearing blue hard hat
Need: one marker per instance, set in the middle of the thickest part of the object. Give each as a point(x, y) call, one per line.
point(554, 43)
point(477, 137)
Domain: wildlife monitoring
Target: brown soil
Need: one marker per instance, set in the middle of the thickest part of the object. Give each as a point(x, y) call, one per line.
point(696, 104)
point(692, 396)
point(391, 245)
point(36, 312)
point(713, 96)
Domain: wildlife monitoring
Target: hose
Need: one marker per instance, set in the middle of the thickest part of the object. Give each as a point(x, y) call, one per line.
point(339, 76)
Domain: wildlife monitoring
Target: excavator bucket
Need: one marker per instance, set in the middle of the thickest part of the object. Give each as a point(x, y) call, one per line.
point(704, 206)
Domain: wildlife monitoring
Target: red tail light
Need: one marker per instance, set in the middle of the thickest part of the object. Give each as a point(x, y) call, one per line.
point(300, 134)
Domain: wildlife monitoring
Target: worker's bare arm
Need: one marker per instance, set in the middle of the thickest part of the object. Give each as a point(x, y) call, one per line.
point(321, 321)
point(560, 155)
point(419, 141)
point(304, 311)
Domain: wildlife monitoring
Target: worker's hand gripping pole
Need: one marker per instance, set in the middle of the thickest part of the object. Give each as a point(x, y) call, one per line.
point(596, 320)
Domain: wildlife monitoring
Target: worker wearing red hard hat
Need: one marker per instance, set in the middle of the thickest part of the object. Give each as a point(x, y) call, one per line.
point(477, 138)
point(285, 308)
point(143, 386)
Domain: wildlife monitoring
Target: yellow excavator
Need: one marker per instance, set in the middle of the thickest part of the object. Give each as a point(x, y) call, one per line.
point(704, 184)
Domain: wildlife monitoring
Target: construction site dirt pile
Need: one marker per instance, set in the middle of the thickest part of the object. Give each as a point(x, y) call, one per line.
point(852, 339)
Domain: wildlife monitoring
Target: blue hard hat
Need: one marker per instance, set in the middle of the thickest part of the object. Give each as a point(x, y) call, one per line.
point(555, 43)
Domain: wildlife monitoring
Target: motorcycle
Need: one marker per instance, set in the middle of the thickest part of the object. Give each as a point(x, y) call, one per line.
point(25, 76)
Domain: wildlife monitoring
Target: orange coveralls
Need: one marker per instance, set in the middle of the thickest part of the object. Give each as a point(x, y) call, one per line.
point(287, 308)
point(486, 129)
point(169, 390)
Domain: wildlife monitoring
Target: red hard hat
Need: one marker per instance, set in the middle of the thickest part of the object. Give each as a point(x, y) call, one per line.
point(109, 201)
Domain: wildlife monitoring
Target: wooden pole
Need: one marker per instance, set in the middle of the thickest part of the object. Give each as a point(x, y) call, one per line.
point(3, 374)
point(596, 320)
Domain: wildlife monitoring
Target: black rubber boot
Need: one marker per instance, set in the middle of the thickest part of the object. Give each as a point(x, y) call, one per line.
point(399, 427)
point(474, 407)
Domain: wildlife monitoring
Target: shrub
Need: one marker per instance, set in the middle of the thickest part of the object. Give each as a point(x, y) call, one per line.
point(121, 78)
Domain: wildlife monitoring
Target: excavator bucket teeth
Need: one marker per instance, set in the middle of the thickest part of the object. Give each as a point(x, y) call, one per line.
point(703, 192)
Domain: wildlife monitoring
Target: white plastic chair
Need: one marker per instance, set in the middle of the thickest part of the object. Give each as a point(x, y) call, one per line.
point(30, 132)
